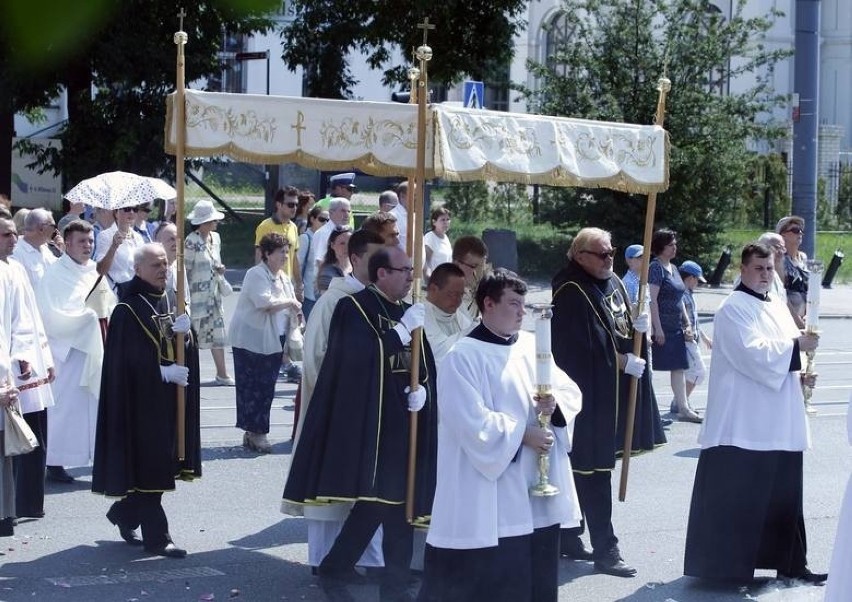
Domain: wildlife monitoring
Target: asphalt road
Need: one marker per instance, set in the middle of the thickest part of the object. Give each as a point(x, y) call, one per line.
point(242, 548)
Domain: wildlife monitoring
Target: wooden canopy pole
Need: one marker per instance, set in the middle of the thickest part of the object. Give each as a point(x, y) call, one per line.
point(415, 238)
point(663, 86)
point(180, 184)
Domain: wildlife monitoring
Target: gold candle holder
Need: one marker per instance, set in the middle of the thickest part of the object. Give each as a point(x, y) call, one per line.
point(543, 360)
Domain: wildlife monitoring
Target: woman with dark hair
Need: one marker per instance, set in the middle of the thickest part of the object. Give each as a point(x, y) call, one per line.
point(336, 261)
point(303, 209)
point(670, 320)
point(438, 247)
point(317, 218)
point(266, 296)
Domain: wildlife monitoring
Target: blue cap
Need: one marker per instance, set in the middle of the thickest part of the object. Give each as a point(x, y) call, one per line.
point(342, 179)
point(693, 269)
point(634, 251)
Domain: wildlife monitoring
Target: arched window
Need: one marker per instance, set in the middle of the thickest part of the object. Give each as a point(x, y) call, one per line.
point(717, 78)
point(558, 32)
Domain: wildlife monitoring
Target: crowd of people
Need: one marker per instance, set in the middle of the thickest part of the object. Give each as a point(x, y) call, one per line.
point(93, 345)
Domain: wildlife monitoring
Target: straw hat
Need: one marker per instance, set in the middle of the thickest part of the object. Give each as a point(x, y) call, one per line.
point(204, 212)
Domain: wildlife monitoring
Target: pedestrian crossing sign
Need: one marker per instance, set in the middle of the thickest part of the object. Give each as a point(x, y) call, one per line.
point(474, 95)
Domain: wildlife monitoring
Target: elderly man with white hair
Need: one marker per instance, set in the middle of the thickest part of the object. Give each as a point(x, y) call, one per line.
point(339, 211)
point(136, 456)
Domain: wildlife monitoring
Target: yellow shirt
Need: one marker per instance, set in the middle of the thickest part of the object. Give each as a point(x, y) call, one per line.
point(289, 231)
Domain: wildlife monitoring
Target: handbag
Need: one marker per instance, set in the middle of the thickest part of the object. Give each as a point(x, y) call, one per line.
point(19, 437)
point(295, 342)
point(225, 287)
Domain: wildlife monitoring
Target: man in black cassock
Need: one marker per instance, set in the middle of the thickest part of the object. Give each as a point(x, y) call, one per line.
point(592, 342)
point(354, 445)
point(136, 445)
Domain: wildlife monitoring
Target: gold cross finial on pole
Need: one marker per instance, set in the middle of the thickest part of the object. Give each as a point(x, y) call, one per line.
point(425, 26)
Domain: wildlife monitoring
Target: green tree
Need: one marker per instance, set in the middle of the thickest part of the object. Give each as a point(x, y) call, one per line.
point(119, 74)
point(607, 67)
point(471, 37)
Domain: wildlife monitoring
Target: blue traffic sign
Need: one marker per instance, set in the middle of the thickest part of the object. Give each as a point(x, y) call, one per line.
point(474, 95)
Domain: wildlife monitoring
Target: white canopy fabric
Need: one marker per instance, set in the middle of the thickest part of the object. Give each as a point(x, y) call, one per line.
point(461, 144)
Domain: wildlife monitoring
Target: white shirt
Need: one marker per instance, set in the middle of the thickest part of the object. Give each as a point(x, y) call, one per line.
point(442, 249)
point(252, 327)
point(401, 214)
point(484, 472)
point(442, 330)
point(319, 245)
point(35, 260)
point(121, 269)
point(753, 400)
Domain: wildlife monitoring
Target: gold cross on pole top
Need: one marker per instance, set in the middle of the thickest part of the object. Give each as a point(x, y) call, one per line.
point(425, 26)
point(181, 15)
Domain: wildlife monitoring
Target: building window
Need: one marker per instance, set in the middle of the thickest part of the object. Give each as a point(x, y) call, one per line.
point(718, 81)
point(232, 76)
point(558, 34)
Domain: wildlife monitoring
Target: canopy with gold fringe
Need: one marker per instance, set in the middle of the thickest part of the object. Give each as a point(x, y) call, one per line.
point(461, 144)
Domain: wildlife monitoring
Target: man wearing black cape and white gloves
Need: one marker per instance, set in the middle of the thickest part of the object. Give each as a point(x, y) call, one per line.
point(592, 341)
point(354, 444)
point(746, 510)
point(489, 538)
point(136, 445)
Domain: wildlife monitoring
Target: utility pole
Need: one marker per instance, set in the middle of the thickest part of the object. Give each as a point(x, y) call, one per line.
point(806, 118)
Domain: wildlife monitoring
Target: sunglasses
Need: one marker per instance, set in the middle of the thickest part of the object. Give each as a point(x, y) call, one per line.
point(409, 270)
point(292, 205)
point(602, 256)
point(129, 209)
point(794, 230)
point(322, 219)
point(145, 209)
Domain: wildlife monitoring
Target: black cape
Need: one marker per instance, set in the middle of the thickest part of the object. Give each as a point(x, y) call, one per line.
point(135, 444)
point(354, 445)
point(591, 326)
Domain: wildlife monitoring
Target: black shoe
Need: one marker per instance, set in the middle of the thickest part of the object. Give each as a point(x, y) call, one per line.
point(127, 533)
point(807, 576)
point(613, 564)
point(169, 550)
point(25, 514)
point(58, 474)
point(342, 576)
point(575, 549)
point(666, 421)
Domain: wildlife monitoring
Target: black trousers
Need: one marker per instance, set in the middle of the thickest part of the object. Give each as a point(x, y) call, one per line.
point(29, 470)
point(594, 492)
point(146, 510)
point(358, 530)
point(518, 569)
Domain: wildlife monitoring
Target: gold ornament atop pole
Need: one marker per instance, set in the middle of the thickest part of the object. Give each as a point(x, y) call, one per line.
point(543, 387)
point(180, 184)
point(815, 268)
point(415, 238)
point(664, 86)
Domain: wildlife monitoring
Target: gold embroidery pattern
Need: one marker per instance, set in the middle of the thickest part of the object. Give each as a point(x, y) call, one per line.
point(233, 124)
point(619, 148)
point(483, 132)
point(351, 132)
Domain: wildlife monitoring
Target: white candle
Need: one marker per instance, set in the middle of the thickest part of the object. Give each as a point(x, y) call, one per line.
point(814, 286)
point(543, 354)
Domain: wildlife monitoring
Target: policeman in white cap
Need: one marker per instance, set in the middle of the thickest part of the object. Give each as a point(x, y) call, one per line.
point(340, 186)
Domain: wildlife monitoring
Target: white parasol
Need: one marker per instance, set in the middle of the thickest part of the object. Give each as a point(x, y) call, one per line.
point(117, 189)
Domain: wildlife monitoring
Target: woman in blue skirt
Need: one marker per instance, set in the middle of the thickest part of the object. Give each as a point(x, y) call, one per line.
point(670, 320)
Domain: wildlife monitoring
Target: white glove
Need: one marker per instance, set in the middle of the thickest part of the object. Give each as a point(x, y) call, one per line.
point(182, 324)
point(414, 317)
point(642, 322)
point(176, 374)
point(416, 398)
point(635, 366)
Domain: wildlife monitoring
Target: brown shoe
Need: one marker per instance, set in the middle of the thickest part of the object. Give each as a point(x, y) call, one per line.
point(257, 442)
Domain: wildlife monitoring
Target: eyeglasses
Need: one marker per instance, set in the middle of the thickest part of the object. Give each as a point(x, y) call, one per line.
point(129, 209)
point(322, 220)
point(410, 270)
point(794, 230)
point(602, 256)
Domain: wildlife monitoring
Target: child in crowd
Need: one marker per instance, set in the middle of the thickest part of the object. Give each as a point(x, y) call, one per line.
point(691, 274)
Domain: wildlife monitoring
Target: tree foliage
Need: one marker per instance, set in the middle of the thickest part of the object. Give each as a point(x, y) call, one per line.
point(470, 37)
point(118, 77)
point(607, 68)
